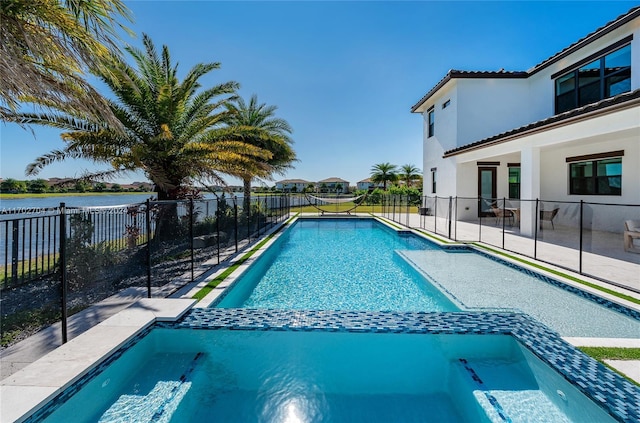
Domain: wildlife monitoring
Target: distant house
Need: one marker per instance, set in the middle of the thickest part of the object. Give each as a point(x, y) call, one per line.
point(332, 185)
point(136, 186)
point(292, 185)
point(368, 184)
point(568, 129)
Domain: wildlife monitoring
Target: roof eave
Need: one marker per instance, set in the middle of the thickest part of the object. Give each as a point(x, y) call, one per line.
point(457, 74)
point(510, 136)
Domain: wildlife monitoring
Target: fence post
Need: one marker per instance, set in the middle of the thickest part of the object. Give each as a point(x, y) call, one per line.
point(218, 216)
point(408, 211)
point(581, 222)
point(14, 250)
point(63, 268)
point(191, 213)
point(435, 214)
point(479, 219)
point(450, 212)
point(535, 230)
point(148, 223)
point(455, 231)
point(394, 209)
point(235, 223)
point(504, 204)
point(266, 213)
point(248, 213)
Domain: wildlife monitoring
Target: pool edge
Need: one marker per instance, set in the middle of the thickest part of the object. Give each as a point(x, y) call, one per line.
point(28, 390)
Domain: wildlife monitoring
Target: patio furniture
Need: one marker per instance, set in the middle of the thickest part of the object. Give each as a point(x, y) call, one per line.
point(631, 232)
point(424, 211)
point(516, 214)
point(501, 213)
point(548, 215)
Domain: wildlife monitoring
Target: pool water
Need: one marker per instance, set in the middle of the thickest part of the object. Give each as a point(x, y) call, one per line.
point(479, 283)
point(175, 375)
point(361, 264)
point(338, 264)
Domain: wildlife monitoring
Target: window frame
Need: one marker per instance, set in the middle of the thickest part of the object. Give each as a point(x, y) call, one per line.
point(590, 185)
point(434, 175)
point(514, 184)
point(431, 122)
point(602, 80)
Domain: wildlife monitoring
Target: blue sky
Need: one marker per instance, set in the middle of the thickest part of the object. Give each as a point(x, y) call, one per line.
point(343, 74)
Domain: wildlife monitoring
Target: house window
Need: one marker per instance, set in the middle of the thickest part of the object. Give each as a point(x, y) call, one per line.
point(431, 121)
point(606, 76)
point(434, 172)
point(514, 182)
point(596, 177)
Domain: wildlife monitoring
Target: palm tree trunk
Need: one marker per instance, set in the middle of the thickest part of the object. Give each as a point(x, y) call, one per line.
point(167, 225)
point(246, 201)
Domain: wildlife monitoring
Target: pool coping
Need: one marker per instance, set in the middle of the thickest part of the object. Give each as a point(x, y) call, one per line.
point(29, 389)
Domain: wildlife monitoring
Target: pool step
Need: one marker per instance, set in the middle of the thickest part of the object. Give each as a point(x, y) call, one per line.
point(507, 392)
point(158, 405)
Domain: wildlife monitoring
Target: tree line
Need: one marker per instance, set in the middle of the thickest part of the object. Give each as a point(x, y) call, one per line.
point(42, 186)
point(179, 133)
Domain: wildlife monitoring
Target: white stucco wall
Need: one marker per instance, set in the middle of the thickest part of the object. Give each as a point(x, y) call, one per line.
point(444, 138)
point(487, 107)
point(554, 180)
point(484, 107)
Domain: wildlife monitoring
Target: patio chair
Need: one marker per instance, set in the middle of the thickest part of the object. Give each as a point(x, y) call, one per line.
point(631, 232)
point(548, 215)
point(502, 214)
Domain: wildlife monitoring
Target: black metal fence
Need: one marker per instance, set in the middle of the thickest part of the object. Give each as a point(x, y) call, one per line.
point(571, 235)
point(59, 261)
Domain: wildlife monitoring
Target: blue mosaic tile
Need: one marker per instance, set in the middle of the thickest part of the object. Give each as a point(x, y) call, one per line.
point(616, 395)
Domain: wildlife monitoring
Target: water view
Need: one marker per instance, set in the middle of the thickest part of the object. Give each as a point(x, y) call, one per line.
point(22, 204)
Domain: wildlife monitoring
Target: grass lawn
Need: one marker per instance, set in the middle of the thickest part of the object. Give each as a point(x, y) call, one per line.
point(341, 208)
point(612, 353)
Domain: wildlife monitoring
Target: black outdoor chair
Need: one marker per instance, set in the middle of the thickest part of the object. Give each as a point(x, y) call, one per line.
point(548, 215)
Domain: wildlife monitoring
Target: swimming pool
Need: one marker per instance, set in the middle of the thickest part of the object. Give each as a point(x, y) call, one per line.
point(338, 264)
point(362, 264)
point(376, 367)
point(331, 365)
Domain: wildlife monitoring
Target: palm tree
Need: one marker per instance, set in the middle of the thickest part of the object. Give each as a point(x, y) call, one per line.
point(172, 132)
point(409, 173)
point(47, 45)
point(272, 135)
point(384, 172)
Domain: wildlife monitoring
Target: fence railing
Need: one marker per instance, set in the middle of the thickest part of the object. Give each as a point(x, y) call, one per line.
point(585, 237)
point(61, 260)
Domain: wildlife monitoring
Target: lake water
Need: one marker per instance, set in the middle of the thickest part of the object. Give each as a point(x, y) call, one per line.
point(80, 201)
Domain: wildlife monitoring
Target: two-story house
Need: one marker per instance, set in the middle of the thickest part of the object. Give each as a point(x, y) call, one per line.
point(292, 185)
point(333, 184)
point(568, 129)
point(368, 185)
